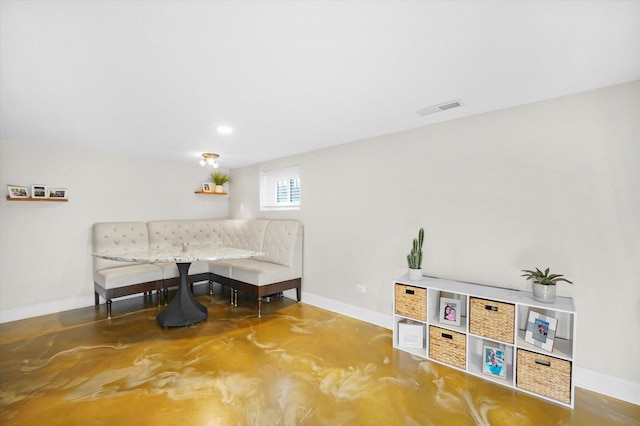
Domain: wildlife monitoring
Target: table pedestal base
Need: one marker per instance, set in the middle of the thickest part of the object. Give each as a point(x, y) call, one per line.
point(184, 309)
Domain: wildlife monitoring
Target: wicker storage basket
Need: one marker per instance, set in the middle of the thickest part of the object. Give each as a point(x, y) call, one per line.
point(411, 302)
point(492, 319)
point(448, 346)
point(544, 375)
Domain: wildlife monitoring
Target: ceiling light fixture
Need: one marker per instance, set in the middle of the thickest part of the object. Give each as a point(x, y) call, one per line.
point(210, 159)
point(224, 130)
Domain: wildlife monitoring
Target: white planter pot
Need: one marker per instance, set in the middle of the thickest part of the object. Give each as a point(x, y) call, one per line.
point(219, 189)
point(544, 293)
point(415, 274)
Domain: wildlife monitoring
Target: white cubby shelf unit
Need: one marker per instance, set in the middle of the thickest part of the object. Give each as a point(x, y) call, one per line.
point(490, 317)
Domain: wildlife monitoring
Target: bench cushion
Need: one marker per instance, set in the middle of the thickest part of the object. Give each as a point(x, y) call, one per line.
point(123, 276)
point(257, 273)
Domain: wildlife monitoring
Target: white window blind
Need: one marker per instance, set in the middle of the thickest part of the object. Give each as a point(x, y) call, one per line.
point(280, 189)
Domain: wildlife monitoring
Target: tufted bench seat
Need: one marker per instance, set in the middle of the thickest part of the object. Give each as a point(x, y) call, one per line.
point(116, 279)
point(280, 269)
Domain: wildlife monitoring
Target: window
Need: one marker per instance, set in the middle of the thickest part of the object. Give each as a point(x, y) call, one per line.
point(280, 189)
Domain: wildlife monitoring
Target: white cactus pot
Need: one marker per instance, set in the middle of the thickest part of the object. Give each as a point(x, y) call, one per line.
point(415, 274)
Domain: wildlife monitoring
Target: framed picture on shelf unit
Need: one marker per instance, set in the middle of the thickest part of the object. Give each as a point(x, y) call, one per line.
point(58, 193)
point(18, 191)
point(449, 311)
point(493, 360)
point(39, 191)
point(541, 330)
point(206, 187)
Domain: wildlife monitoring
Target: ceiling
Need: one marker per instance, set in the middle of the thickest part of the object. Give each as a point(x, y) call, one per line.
point(155, 78)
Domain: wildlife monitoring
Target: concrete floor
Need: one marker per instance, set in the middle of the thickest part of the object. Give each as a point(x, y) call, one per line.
point(297, 365)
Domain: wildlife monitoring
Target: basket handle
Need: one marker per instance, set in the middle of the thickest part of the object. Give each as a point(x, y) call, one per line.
point(491, 308)
point(447, 336)
point(407, 291)
point(543, 362)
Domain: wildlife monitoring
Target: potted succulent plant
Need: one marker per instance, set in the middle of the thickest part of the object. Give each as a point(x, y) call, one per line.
point(414, 258)
point(219, 179)
point(543, 284)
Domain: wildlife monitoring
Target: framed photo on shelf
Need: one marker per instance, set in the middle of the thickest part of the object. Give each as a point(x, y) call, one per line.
point(541, 330)
point(207, 187)
point(58, 193)
point(18, 191)
point(39, 191)
point(450, 310)
point(493, 362)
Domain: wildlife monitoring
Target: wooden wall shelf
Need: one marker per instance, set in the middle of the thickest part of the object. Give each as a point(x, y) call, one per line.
point(211, 193)
point(46, 200)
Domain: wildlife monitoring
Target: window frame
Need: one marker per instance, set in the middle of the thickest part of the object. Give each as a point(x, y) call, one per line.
point(270, 189)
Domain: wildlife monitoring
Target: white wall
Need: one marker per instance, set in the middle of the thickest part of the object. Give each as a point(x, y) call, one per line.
point(552, 184)
point(45, 261)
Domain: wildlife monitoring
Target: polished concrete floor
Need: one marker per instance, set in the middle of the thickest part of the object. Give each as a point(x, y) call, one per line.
point(297, 365)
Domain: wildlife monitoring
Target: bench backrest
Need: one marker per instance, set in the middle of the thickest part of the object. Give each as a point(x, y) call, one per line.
point(283, 244)
point(109, 236)
point(244, 234)
point(280, 240)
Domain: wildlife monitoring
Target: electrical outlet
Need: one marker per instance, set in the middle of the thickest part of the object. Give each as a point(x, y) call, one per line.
point(361, 288)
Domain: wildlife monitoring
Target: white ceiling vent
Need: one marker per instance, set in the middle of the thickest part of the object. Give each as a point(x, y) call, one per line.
point(440, 107)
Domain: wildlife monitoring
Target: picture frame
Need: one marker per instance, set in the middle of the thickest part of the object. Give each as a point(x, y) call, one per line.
point(450, 310)
point(18, 191)
point(57, 193)
point(207, 187)
point(541, 330)
point(39, 191)
point(494, 362)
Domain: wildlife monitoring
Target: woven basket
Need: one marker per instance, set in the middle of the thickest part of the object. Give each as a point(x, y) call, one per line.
point(447, 346)
point(544, 375)
point(492, 319)
point(411, 302)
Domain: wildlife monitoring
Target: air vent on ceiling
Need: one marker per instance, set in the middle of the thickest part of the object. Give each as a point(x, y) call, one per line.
point(440, 107)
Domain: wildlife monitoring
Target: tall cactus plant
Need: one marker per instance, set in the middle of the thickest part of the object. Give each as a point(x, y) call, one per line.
point(414, 258)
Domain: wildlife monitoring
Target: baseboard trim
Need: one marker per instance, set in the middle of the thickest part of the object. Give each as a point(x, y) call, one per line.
point(604, 384)
point(341, 308)
point(615, 387)
point(45, 308)
point(59, 306)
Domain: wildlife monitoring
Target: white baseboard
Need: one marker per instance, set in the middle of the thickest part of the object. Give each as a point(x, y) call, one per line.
point(57, 306)
point(45, 308)
point(348, 310)
point(611, 386)
point(614, 387)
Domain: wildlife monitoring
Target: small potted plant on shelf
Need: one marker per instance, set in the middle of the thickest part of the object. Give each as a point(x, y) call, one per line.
point(543, 284)
point(414, 258)
point(219, 179)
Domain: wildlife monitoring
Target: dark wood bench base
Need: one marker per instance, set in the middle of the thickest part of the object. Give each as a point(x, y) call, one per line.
point(258, 291)
point(108, 294)
point(162, 288)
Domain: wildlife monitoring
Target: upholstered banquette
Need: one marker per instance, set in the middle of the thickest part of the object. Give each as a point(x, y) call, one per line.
point(279, 269)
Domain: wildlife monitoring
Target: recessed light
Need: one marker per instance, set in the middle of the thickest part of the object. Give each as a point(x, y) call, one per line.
point(224, 130)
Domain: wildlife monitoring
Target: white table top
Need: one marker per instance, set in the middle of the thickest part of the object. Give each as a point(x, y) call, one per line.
point(188, 254)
